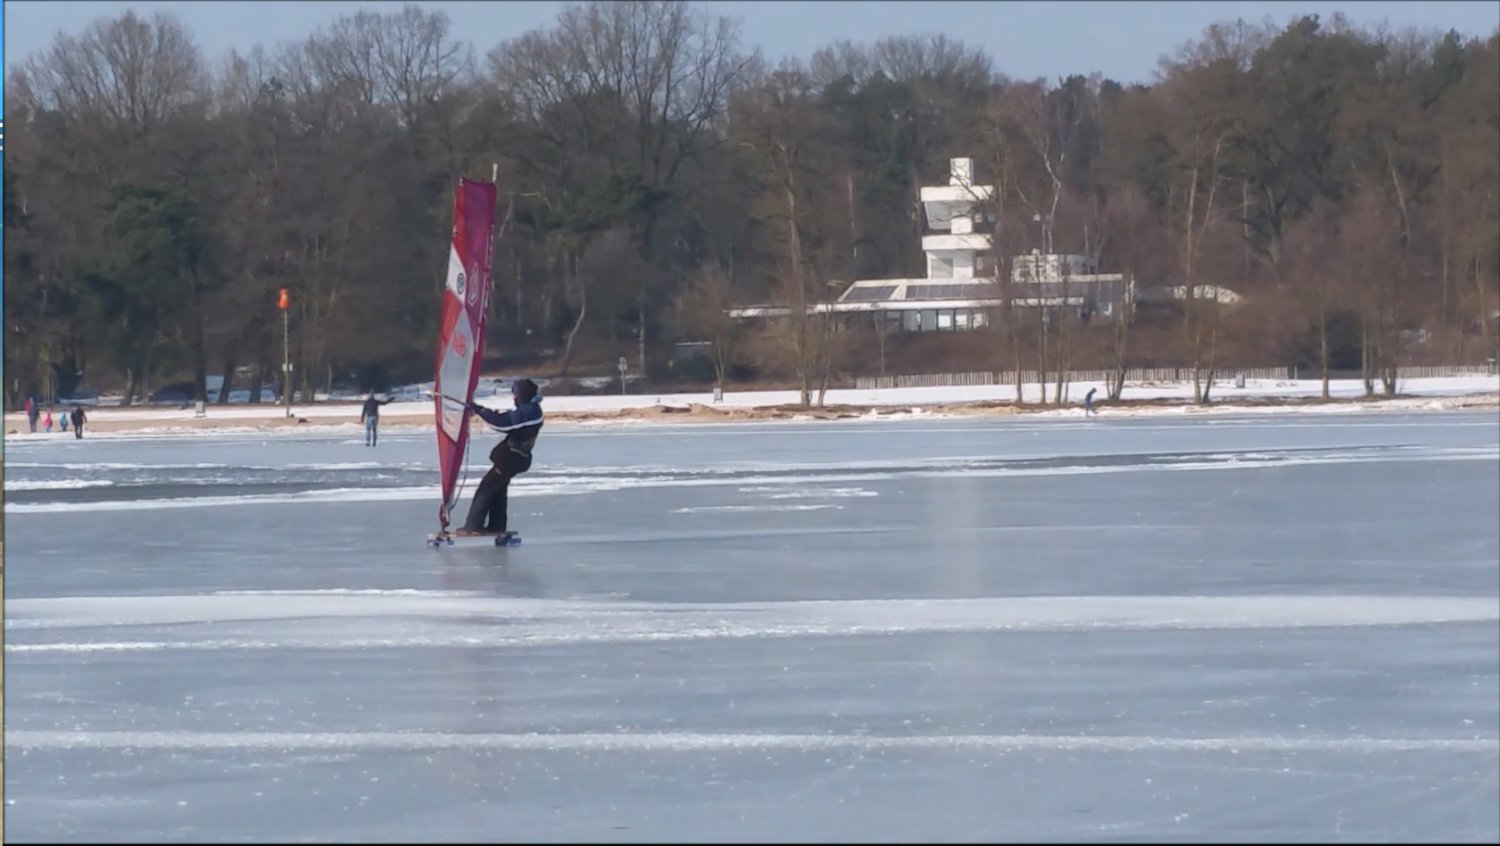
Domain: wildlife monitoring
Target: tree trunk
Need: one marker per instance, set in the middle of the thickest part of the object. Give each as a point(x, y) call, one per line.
point(1364, 356)
point(1041, 356)
point(257, 379)
point(1059, 392)
point(199, 346)
point(583, 309)
point(1189, 289)
point(146, 372)
point(1116, 386)
point(853, 228)
point(799, 296)
point(825, 345)
point(518, 319)
point(568, 276)
point(1196, 337)
point(1389, 341)
point(132, 384)
point(229, 367)
point(1213, 348)
point(1322, 335)
point(1484, 318)
point(721, 365)
point(1015, 348)
point(640, 311)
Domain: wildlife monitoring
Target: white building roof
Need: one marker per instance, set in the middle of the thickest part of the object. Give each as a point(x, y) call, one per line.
point(902, 290)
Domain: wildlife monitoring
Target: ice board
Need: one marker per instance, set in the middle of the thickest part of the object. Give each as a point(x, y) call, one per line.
point(441, 539)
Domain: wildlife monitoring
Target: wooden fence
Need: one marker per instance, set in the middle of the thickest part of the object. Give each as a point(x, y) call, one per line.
point(1145, 374)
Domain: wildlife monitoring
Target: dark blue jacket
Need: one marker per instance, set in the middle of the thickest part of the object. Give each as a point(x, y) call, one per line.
point(520, 425)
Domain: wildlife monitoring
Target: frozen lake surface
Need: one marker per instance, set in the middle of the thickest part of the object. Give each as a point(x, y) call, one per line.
point(1233, 628)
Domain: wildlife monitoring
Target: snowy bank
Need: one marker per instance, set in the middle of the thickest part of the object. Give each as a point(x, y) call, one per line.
point(1139, 399)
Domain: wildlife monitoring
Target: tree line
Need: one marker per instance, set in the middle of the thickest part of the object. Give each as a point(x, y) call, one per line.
point(654, 170)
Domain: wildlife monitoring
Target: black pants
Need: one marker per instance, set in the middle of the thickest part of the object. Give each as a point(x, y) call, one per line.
point(487, 512)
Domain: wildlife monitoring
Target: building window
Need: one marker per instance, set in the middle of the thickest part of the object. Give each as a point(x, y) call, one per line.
point(945, 320)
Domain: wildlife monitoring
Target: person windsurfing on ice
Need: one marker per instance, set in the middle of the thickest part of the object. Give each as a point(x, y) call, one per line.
point(510, 458)
point(460, 347)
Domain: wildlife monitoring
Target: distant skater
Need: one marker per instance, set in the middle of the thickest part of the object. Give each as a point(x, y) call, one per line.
point(370, 416)
point(47, 422)
point(32, 412)
point(1088, 403)
point(62, 420)
point(78, 420)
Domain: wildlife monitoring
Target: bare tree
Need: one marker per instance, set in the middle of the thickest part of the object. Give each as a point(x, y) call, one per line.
point(784, 133)
point(667, 68)
point(1200, 135)
point(1049, 119)
point(703, 310)
point(1370, 238)
point(116, 85)
point(600, 265)
point(1007, 154)
point(1316, 253)
point(126, 98)
point(1131, 241)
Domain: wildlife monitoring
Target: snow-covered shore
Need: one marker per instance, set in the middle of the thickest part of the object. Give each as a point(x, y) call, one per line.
point(1140, 399)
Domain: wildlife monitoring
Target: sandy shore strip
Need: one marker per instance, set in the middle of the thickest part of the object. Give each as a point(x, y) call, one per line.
point(1259, 396)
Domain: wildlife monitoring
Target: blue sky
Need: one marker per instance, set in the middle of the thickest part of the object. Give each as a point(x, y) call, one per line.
point(1121, 39)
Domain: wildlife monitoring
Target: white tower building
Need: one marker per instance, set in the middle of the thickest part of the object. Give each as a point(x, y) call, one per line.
point(959, 290)
point(952, 209)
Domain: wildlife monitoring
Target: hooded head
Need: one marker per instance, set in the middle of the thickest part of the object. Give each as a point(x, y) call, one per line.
point(523, 390)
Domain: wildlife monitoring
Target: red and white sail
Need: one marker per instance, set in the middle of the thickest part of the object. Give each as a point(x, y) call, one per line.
point(461, 329)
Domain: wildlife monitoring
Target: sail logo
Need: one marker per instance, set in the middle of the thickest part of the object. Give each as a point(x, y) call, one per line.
point(471, 296)
point(457, 282)
point(460, 347)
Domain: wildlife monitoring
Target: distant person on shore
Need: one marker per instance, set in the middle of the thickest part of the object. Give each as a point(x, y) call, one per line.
point(370, 416)
point(78, 420)
point(1088, 402)
point(509, 459)
point(62, 421)
point(32, 412)
point(47, 422)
